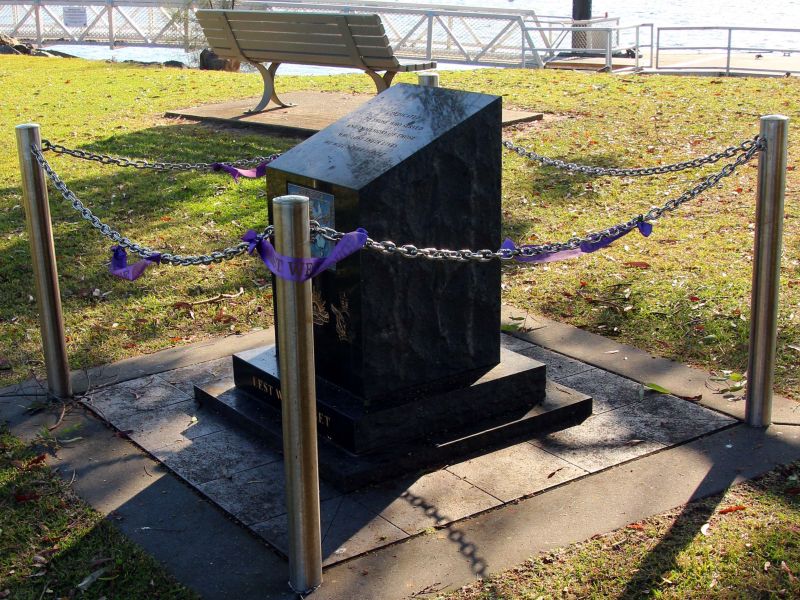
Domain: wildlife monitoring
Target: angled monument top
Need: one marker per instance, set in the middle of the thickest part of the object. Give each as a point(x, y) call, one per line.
point(381, 134)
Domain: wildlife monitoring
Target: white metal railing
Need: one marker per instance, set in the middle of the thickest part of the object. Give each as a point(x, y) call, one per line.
point(461, 34)
point(112, 22)
point(605, 42)
point(729, 47)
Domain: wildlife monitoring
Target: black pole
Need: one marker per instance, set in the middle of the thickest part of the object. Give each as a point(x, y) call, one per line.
point(581, 11)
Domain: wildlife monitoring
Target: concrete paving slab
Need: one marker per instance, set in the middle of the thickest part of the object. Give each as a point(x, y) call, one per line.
point(608, 391)
point(670, 420)
point(251, 496)
point(312, 112)
point(216, 455)
point(255, 495)
point(134, 398)
point(211, 371)
point(174, 423)
point(559, 367)
point(601, 441)
point(348, 529)
point(416, 503)
point(516, 471)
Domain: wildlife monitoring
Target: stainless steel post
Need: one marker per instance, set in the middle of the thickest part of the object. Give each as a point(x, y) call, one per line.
point(299, 398)
point(728, 55)
point(766, 270)
point(428, 79)
point(43, 258)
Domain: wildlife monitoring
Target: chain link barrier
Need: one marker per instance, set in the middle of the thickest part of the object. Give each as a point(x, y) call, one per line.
point(730, 152)
point(107, 159)
point(411, 251)
point(116, 237)
point(743, 153)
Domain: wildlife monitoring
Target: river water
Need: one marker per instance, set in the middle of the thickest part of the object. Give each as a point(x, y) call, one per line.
point(663, 13)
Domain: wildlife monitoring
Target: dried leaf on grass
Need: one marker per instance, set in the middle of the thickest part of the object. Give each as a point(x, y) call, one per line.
point(731, 509)
point(91, 578)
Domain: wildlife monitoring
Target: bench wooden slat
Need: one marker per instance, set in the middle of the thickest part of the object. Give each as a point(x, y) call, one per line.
point(253, 16)
point(241, 26)
point(323, 60)
point(282, 37)
point(362, 41)
point(298, 46)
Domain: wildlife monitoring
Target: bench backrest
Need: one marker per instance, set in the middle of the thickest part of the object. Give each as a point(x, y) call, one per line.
point(326, 39)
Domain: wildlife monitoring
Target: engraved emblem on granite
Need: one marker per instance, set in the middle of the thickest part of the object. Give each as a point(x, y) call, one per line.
point(320, 314)
point(342, 314)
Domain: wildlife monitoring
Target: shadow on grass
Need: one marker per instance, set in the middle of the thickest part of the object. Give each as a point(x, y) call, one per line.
point(179, 212)
point(555, 190)
point(769, 545)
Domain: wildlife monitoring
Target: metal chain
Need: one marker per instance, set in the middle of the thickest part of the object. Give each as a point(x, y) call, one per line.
point(638, 172)
point(106, 159)
point(411, 251)
point(119, 239)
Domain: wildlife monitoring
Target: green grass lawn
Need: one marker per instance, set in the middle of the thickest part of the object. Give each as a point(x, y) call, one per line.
point(683, 293)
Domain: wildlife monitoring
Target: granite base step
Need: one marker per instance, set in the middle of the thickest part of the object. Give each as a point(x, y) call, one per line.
point(562, 407)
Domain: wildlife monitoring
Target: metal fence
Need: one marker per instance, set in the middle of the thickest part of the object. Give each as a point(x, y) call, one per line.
point(606, 42)
point(113, 22)
point(474, 36)
point(730, 40)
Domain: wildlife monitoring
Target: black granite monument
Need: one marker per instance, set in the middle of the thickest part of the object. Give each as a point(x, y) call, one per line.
point(407, 350)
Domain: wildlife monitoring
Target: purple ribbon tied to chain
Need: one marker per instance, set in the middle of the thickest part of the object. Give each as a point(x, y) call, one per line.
point(119, 264)
point(236, 172)
point(585, 248)
point(301, 269)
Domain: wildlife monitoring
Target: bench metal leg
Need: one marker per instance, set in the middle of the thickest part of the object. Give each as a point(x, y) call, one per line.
point(268, 74)
point(382, 82)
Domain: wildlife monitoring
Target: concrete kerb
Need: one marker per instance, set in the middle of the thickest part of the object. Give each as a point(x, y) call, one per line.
point(637, 365)
point(146, 501)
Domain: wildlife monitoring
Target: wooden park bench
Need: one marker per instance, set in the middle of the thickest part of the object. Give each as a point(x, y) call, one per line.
point(322, 39)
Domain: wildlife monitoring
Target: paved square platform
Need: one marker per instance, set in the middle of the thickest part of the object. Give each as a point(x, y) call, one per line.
point(312, 112)
point(641, 454)
point(244, 476)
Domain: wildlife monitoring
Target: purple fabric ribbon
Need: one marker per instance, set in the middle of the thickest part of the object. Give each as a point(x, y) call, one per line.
point(236, 172)
point(119, 264)
point(585, 248)
point(301, 269)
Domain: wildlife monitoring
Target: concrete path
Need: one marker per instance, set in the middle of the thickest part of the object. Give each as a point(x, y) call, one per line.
point(312, 112)
point(638, 455)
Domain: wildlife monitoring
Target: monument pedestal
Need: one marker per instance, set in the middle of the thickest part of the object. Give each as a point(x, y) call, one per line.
point(410, 372)
point(357, 446)
point(359, 425)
